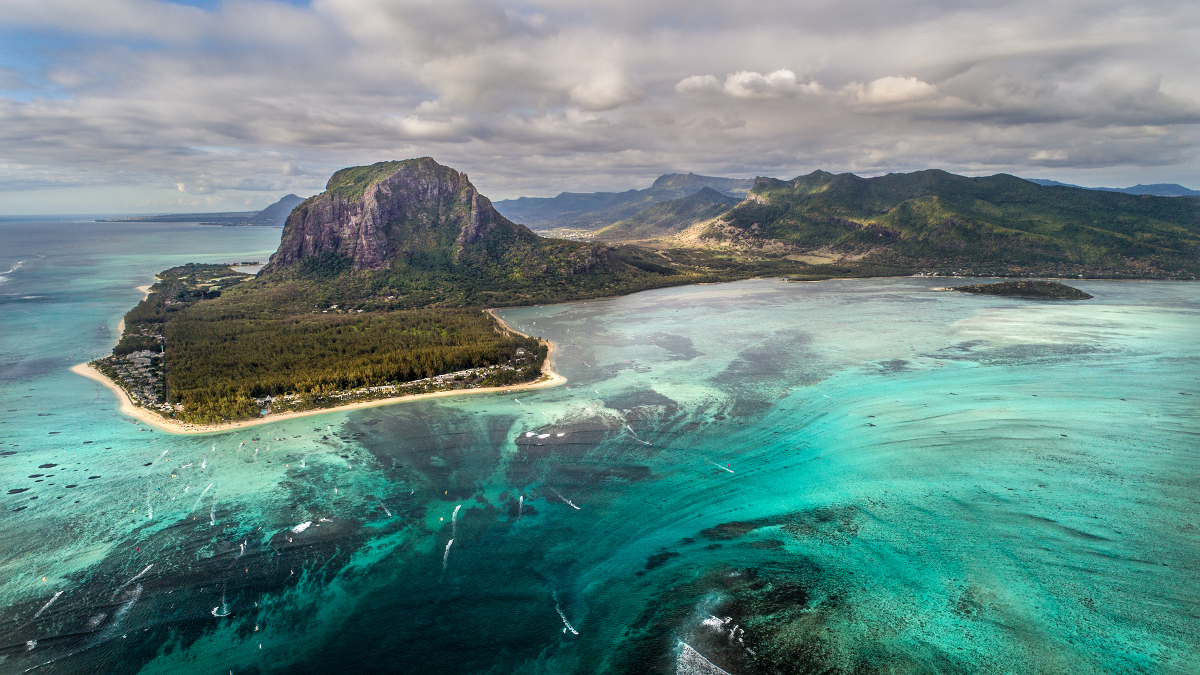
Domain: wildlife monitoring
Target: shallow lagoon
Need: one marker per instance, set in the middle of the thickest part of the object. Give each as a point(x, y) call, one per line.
point(847, 476)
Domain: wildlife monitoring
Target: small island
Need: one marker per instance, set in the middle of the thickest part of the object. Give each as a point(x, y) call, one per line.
point(1049, 290)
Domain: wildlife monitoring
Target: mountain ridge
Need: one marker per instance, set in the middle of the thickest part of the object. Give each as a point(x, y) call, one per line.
point(1000, 224)
point(594, 210)
point(1153, 189)
point(667, 218)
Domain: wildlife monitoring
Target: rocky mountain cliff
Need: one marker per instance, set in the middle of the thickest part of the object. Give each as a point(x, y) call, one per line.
point(414, 233)
point(374, 214)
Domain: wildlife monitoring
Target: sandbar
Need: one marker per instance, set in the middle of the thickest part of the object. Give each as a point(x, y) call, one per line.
point(549, 378)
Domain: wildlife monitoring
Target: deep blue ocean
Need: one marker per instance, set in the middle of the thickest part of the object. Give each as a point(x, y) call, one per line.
point(865, 476)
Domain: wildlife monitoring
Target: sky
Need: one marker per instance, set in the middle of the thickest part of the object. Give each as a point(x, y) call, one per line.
point(140, 106)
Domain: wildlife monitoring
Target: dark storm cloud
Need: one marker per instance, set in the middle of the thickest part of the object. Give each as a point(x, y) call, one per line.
point(535, 97)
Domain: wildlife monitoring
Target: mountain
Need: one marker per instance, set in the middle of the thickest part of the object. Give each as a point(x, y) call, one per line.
point(1156, 189)
point(276, 213)
point(420, 233)
point(998, 224)
point(667, 218)
point(594, 210)
point(376, 288)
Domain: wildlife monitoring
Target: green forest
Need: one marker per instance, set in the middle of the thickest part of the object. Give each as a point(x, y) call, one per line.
point(224, 349)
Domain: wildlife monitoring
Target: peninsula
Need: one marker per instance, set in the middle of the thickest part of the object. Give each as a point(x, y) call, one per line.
point(378, 289)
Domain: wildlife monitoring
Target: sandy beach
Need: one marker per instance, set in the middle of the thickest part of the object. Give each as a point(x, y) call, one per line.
point(549, 379)
point(121, 324)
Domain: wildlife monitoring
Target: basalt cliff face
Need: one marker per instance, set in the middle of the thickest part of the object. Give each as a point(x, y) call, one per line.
point(375, 214)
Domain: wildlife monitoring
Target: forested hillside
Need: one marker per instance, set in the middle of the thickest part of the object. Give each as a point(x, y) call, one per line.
point(992, 225)
point(667, 218)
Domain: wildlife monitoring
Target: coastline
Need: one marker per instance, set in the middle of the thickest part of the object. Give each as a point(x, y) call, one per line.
point(121, 323)
point(549, 378)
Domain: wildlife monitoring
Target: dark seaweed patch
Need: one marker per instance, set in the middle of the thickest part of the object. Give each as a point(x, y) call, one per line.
point(659, 559)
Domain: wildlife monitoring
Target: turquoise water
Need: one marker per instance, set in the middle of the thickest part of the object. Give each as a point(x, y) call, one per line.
point(849, 476)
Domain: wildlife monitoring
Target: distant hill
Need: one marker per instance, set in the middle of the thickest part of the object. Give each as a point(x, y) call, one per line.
point(276, 213)
point(998, 224)
point(594, 210)
point(667, 218)
point(1156, 189)
point(222, 218)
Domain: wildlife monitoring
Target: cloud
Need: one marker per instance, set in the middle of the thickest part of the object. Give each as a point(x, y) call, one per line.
point(604, 92)
point(697, 84)
point(538, 96)
point(891, 90)
point(749, 84)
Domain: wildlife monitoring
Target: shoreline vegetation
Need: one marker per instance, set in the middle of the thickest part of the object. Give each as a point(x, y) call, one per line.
point(548, 378)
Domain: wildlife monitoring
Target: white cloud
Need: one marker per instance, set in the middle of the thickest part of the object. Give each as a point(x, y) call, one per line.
point(749, 84)
point(891, 89)
point(698, 83)
point(604, 92)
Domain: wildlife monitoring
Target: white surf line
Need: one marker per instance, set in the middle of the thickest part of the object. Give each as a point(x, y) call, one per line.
point(692, 661)
point(631, 432)
point(135, 578)
point(212, 514)
point(201, 496)
point(568, 501)
point(723, 468)
point(566, 623)
point(47, 605)
point(454, 522)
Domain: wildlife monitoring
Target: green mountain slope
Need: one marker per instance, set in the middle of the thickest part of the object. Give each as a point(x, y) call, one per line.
point(594, 210)
point(995, 224)
point(667, 218)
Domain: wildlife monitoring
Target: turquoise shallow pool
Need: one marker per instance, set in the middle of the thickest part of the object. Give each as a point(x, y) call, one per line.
point(850, 476)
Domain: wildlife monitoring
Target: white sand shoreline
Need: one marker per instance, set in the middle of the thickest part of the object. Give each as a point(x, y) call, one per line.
point(549, 378)
point(121, 323)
